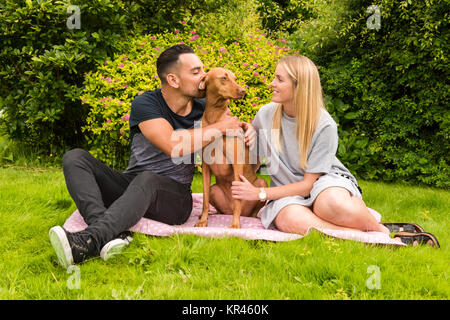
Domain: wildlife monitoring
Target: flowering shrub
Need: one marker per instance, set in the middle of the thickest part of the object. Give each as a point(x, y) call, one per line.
point(110, 90)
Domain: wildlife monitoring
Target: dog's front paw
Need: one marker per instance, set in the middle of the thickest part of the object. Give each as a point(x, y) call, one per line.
point(202, 223)
point(235, 226)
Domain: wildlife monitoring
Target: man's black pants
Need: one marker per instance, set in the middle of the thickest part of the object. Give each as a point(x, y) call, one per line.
point(111, 202)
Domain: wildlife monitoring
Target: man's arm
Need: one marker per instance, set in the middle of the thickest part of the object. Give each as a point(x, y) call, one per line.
point(177, 143)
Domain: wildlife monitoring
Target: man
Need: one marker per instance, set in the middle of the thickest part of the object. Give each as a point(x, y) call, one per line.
point(156, 185)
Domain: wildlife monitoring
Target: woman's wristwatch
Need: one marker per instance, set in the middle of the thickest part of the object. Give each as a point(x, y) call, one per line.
point(262, 195)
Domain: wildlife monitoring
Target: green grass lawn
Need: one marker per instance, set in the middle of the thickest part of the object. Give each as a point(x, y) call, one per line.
point(192, 267)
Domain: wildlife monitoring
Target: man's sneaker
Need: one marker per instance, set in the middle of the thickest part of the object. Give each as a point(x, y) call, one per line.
point(116, 246)
point(71, 248)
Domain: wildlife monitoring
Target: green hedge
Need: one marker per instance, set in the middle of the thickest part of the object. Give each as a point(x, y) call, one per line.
point(43, 62)
point(392, 81)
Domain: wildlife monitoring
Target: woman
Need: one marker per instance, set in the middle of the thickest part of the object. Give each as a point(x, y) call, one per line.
point(310, 187)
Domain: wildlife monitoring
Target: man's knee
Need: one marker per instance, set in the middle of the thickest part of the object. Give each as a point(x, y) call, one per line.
point(74, 155)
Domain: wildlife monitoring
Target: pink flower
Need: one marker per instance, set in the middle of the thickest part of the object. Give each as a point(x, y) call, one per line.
point(177, 31)
point(109, 79)
point(199, 47)
point(122, 132)
point(193, 32)
point(255, 65)
point(283, 40)
point(155, 76)
point(108, 120)
point(124, 58)
point(126, 117)
point(106, 63)
point(125, 85)
point(245, 64)
point(195, 37)
point(258, 98)
point(222, 49)
point(255, 73)
point(183, 22)
point(121, 65)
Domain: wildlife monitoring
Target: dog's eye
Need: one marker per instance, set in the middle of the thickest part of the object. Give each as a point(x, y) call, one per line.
point(224, 78)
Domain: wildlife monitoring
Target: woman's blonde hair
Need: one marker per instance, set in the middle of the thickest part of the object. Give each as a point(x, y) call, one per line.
point(308, 102)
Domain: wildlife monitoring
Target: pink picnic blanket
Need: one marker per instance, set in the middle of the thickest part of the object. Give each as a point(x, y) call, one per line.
point(218, 226)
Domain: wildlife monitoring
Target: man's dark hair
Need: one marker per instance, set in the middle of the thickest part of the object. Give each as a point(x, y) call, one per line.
point(168, 58)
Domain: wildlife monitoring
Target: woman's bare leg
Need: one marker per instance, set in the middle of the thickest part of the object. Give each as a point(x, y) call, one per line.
point(337, 206)
point(298, 219)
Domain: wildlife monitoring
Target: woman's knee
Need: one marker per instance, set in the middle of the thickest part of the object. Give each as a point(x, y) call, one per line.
point(148, 180)
point(336, 205)
point(333, 201)
point(293, 219)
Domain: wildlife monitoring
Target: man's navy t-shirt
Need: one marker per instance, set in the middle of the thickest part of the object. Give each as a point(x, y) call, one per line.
point(147, 157)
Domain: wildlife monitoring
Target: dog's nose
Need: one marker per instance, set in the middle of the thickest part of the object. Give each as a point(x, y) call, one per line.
point(242, 93)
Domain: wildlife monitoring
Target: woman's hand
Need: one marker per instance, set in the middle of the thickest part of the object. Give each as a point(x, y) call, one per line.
point(244, 190)
point(250, 134)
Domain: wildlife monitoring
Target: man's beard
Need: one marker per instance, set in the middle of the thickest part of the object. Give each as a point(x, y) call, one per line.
point(197, 95)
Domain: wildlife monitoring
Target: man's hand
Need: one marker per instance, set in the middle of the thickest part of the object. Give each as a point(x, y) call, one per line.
point(250, 134)
point(229, 124)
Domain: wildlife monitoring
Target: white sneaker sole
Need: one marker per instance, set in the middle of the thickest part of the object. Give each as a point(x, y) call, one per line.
point(113, 247)
point(61, 246)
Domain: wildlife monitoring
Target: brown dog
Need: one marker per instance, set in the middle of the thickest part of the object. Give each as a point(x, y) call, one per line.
point(220, 85)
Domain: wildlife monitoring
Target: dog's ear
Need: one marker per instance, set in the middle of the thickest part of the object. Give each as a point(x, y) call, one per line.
point(202, 84)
